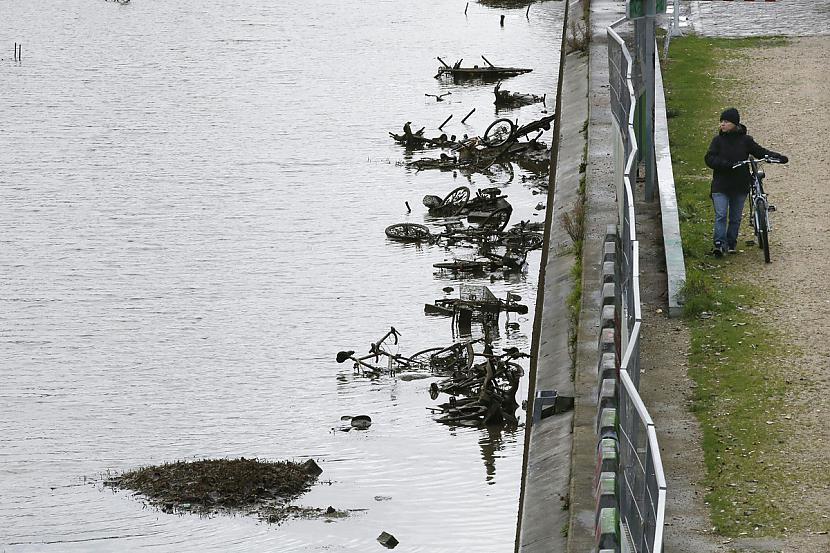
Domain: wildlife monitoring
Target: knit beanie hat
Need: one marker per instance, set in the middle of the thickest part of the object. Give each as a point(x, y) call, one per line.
point(731, 115)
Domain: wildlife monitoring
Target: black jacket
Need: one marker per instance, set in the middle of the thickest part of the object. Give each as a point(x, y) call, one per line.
point(726, 150)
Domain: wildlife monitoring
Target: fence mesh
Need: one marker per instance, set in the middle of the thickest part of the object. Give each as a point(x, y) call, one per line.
point(642, 485)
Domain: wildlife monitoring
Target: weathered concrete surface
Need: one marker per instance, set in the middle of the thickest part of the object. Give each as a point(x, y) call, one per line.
point(601, 207)
point(543, 517)
point(672, 243)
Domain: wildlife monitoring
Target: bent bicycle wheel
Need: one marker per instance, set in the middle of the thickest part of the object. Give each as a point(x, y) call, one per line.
point(499, 132)
point(523, 240)
point(407, 232)
point(497, 220)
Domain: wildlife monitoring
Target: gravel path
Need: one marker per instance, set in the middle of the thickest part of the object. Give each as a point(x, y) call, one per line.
point(787, 109)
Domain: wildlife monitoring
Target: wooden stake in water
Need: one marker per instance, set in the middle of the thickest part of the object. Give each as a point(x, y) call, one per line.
point(502, 21)
point(445, 122)
point(527, 13)
point(465, 8)
point(468, 115)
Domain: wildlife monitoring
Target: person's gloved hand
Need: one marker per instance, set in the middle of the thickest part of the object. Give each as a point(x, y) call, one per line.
point(782, 158)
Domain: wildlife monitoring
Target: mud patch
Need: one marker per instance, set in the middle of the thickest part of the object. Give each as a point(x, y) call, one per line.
point(217, 486)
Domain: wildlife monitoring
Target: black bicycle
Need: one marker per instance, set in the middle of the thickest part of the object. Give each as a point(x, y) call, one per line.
point(761, 208)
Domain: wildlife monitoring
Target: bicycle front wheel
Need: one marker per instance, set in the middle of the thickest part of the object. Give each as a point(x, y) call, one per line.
point(763, 230)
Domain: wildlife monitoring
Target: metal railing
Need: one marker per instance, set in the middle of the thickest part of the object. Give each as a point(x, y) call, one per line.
point(642, 484)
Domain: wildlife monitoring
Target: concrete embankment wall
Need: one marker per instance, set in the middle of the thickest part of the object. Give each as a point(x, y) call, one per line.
point(543, 509)
point(569, 496)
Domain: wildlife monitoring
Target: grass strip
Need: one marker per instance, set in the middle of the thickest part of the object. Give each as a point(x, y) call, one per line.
point(739, 394)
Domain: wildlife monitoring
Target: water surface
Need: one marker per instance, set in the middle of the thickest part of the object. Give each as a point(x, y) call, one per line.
point(192, 204)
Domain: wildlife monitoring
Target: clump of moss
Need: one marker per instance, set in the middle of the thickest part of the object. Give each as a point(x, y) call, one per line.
point(218, 484)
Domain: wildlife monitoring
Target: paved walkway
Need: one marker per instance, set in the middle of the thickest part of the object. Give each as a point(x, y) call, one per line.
point(741, 18)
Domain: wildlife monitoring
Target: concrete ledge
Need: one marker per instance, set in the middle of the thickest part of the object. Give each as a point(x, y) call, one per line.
point(672, 243)
point(608, 529)
point(607, 423)
point(606, 492)
point(609, 252)
point(609, 294)
point(546, 475)
point(607, 395)
point(608, 317)
point(607, 459)
point(607, 341)
point(608, 271)
point(607, 367)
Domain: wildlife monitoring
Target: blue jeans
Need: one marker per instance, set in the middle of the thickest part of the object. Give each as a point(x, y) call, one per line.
point(728, 210)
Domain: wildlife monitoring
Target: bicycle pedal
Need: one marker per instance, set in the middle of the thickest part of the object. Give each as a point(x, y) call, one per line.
point(771, 208)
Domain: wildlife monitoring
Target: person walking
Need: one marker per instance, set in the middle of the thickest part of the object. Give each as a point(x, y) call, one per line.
point(731, 186)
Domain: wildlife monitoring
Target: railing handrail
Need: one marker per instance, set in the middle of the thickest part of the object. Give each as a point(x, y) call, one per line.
point(635, 511)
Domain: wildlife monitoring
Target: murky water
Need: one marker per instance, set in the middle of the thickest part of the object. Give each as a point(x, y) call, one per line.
point(192, 204)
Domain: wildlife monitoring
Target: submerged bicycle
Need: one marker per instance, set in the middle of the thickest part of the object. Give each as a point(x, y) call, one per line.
point(761, 208)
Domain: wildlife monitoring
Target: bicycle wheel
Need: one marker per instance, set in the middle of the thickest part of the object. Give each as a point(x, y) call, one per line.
point(422, 358)
point(525, 241)
point(499, 132)
point(407, 232)
point(763, 230)
point(497, 220)
point(455, 201)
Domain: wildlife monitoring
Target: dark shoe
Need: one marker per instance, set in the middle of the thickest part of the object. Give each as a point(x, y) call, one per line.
point(717, 252)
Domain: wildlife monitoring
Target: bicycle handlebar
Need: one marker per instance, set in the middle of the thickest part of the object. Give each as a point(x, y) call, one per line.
point(765, 159)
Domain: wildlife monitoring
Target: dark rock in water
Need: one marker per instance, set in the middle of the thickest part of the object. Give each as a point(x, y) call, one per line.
point(361, 422)
point(387, 540)
point(312, 468)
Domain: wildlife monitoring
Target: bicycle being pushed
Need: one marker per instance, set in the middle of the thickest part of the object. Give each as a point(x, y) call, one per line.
point(760, 206)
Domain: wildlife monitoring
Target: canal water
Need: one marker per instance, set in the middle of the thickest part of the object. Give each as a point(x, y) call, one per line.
point(192, 204)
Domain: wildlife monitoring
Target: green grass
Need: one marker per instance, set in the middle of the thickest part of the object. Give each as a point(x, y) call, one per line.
point(739, 394)
point(574, 224)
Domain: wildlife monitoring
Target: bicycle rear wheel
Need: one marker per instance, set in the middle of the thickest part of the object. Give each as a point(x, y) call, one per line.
point(407, 232)
point(763, 230)
point(499, 132)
